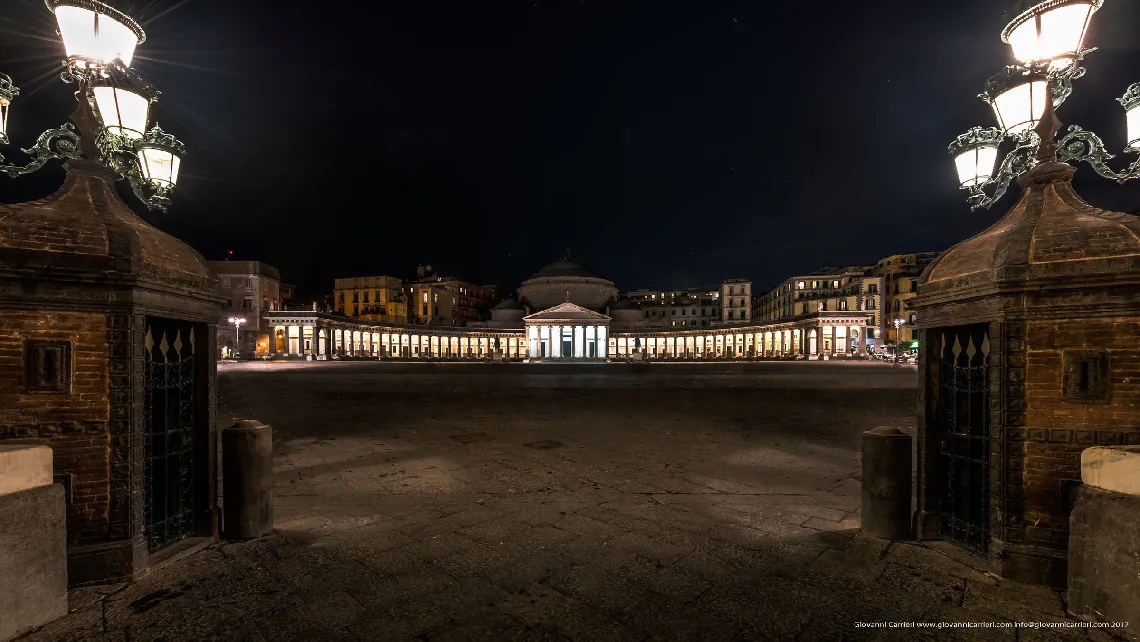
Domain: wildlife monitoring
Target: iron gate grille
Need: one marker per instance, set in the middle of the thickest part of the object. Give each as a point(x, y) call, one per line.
point(170, 425)
point(964, 420)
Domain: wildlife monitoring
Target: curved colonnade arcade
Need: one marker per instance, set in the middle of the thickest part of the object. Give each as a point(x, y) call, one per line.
point(555, 335)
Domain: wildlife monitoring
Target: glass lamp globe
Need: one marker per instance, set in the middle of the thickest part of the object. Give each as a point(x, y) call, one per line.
point(123, 100)
point(8, 93)
point(1049, 30)
point(124, 112)
point(975, 155)
point(1018, 97)
point(160, 156)
point(92, 30)
point(1131, 102)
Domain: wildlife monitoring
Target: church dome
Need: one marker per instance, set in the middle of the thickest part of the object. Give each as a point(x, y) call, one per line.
point(1050, 229)
point(567, 280)
point(626, 314)
point(565, 266)
point(508, 314)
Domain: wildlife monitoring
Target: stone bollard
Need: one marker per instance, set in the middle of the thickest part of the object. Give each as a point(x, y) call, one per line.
point(247, 480)
point(33, 541)
point(1104, 543)
point(886, 510)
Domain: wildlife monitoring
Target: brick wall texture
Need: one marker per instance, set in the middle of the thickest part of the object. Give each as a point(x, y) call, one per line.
point(74, 425)
point(1057, 431)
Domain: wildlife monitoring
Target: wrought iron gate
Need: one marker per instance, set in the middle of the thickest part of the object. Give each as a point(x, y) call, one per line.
point(962, 415)
point(171, 420)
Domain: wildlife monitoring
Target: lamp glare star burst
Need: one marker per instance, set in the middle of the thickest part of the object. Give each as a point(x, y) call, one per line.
point(1047, 41)
point(99, 42)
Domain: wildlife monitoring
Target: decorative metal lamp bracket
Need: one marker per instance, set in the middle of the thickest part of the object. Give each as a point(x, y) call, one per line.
point(1022, 159)
point(1076, 146)
point(1080, 145)
point(1061, 80)
point(60, 143)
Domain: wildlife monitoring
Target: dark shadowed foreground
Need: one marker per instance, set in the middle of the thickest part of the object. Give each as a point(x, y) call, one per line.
point(527, 502)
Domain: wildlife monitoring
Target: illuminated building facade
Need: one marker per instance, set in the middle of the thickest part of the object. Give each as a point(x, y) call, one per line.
point(472, 303)
point(585, 321)
point(900, 275)
point(736, 300)
point(852, 289)
point(250, 289)
point(432, 304)
point(702, 307)
point(376, 298)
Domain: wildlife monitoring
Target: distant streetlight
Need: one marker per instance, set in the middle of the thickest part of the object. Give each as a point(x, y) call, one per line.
point(237, 321)
point(898, 339)
point(1047, 40)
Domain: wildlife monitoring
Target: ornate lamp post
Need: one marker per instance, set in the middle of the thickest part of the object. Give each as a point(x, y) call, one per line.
point(139, 307)
point(1047, 39)
point(100, 43)
point(237, 321)
point(898, 339)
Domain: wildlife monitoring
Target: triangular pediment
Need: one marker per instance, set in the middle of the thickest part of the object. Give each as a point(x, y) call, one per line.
point(568, 312)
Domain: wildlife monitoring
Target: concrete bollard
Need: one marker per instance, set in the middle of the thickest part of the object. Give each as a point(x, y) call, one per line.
point(886, 510)
point(247, 480)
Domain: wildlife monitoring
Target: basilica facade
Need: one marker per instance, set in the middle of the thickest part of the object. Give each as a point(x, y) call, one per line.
point(565, 312)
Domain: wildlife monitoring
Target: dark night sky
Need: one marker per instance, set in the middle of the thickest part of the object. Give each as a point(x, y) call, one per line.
point(667, 143)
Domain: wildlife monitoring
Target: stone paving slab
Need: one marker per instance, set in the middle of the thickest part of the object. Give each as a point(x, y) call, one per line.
point(699, 505)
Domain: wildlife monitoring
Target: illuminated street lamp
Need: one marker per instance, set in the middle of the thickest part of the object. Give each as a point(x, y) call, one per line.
point(898, 339)
point(1018, 96)
point(1131, 102)
point(95, 32)
point(8, 93)
point(1050, 30)
point(975, 155)
point(1047, 40)
point(99, 42)
point(123, 101)
point(237, 321)
point(159, 156)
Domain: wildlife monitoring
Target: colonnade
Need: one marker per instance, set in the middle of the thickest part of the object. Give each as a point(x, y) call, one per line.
point(804, 340)
point(323, 342)
point(316, 336)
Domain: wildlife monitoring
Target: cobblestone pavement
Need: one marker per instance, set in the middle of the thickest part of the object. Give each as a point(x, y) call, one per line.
point(516, 502)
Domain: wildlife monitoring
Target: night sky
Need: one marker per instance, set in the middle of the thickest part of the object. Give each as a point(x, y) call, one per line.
point(666, 143)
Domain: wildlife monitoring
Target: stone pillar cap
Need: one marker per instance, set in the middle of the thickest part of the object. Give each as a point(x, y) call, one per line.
point(248, 424)
point(24, 467)
point(887, 431)
point(1114, 468)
